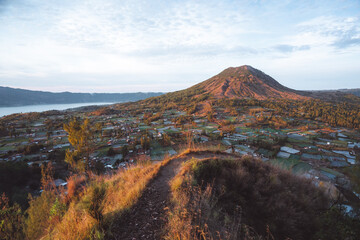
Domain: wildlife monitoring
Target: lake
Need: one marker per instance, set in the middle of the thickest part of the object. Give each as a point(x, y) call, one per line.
point(46, 107)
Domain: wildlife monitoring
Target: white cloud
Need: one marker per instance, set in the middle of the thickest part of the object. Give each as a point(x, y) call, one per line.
point(129, 44)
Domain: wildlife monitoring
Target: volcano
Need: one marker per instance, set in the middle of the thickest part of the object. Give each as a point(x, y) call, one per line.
point(246, 82)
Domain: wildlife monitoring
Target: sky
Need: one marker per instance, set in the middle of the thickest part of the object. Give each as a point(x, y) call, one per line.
point(163, 46)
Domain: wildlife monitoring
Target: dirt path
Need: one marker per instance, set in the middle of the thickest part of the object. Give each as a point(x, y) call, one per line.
point(148, 217)
point(146, 220)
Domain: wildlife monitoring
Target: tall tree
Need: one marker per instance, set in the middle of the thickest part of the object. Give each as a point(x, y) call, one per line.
point(82, 140)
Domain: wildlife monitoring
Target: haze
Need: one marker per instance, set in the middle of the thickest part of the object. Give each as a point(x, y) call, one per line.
point(131, 46)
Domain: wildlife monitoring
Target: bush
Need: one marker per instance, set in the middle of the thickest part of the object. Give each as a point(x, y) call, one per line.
point(111, 152)
point(336, 224)
point(57, 211)
point(94, 203)
point(75, 182)
point(11, 220)
point(37, 223)
point(270, 201)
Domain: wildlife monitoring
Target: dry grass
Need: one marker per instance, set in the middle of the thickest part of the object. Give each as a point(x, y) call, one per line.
point(203, 148)
point(122, 190)
point(76, 224)
point(221, 199)
point(75, 182)
point(194, 208)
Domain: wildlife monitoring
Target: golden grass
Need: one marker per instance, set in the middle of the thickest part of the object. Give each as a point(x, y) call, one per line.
point(123, 189)
point(202, 148)
point(180, 219)
point(76, 224)
point(74, 183)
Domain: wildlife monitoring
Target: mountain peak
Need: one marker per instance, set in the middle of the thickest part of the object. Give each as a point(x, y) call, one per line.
point(240, 69)
point(246, 82)
point(243, 67)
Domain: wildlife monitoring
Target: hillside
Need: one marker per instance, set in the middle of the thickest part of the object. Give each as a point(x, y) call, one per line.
point(355, 91)
point(196, 195)
point(246, 82)
point(245, 86)
point(19, 97)
point(238, 156)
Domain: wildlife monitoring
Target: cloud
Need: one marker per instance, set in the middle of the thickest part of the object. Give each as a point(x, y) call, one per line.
point(122, 41)
point(339, 32)
point(350, 38)
point(285, 48)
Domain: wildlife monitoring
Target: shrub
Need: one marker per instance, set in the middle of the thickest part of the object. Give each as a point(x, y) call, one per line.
point(94, 202)
point(336, 224)
point(111, 152)
point(256, 196)
point(57, 210)
point(11, 220)
point(37, 223)
point(74, 184)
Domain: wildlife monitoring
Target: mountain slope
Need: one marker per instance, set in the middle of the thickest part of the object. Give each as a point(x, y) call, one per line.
point(20, 97)
point(247, 82)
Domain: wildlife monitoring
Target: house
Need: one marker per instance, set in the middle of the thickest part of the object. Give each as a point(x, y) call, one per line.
point(289, 150)
point(59, 182)
point(283, 155)
point(204, 138)
point(172, 152)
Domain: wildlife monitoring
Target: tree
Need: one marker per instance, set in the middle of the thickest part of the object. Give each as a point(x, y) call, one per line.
point(111, 152)
point(166, 140)
point(145, 142)
point(47, 179)
point(99, 167)
point(355, 172)
point(124, 151)
point(210, 116)
point(81, 138)
point(48, 135)
point(98, 127)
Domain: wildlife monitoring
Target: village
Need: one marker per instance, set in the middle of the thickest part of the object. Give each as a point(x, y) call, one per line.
point(322, 153)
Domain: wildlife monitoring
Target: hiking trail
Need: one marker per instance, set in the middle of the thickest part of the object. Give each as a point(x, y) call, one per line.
point(147, 218)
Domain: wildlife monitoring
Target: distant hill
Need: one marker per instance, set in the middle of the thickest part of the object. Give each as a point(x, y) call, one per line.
point(10, 97)
point(355, 91)
point(246, 82)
